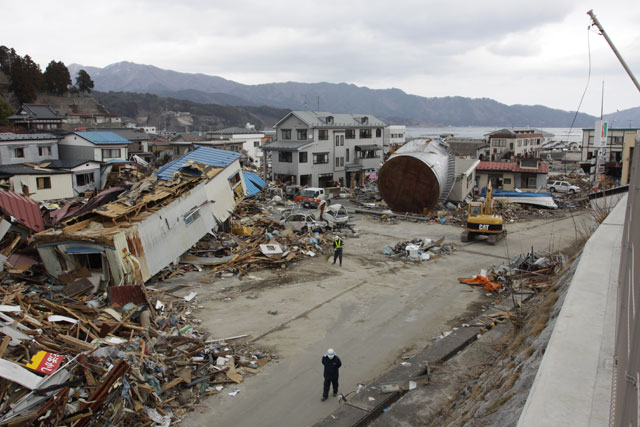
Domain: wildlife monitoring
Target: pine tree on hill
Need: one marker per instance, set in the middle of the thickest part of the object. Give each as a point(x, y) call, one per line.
point(57, 78)
point(84, 82)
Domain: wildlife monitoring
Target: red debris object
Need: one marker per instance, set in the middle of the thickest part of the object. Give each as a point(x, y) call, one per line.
point(487, 284)
point(23, 209)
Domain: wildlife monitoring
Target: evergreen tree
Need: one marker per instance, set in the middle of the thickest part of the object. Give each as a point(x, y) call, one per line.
point(57, 78)
point(5, 111)
point(25, 75)
point(84, 82)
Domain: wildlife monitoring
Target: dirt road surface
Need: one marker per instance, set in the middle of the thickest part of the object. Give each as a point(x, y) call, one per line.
point(372, 310)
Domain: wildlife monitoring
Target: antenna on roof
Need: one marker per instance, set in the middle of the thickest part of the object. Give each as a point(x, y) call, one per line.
point(318, 102)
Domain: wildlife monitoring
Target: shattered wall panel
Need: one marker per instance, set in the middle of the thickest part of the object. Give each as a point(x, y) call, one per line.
point(167, 234)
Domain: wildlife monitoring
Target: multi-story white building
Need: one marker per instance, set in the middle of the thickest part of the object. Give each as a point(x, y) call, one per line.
point(249, 139)
point(394, 137)
point(618, 153)
point(519, 142)
point(320, 149)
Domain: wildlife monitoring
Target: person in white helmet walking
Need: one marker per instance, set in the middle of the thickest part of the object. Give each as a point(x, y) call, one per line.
point(332, 364)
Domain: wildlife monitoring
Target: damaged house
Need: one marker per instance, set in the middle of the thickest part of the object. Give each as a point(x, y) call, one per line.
point(148, 227)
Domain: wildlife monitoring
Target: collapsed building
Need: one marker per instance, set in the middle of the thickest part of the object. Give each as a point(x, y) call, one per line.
point(149, 226)
point(417, 176)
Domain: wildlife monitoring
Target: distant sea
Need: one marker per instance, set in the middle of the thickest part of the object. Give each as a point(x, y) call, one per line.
point(561, 134)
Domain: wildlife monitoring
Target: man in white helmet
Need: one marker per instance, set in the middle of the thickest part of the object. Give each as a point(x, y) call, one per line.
point(332, 364)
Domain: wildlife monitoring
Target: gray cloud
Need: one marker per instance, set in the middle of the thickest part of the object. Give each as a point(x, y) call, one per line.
point(511, 51)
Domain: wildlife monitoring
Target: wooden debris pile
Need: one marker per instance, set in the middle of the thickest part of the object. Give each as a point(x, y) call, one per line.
point(134, 359)
point(531, 271)
point(253, 242)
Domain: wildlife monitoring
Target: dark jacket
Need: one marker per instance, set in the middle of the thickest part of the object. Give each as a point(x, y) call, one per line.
point(331, 366)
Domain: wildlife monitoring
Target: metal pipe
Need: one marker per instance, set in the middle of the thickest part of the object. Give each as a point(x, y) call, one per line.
point(615, 51)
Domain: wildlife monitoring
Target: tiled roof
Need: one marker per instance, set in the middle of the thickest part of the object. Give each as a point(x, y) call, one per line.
point(512, 166)
point(235, 131)
point(22, 169)
point(103, 138)
point(318, 119)
point(253, 182)
point(207, 155)
point(36, 112)
point(26, 136)
point(23, 208)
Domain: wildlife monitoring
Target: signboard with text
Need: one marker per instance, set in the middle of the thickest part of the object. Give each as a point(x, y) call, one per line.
point(45, 362)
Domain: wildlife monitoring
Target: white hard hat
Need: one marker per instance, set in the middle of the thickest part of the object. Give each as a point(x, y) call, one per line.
point(331, 353)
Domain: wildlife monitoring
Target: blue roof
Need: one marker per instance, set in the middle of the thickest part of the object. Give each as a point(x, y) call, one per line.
point(210, 156)
point(103, 137)
point(253, 183)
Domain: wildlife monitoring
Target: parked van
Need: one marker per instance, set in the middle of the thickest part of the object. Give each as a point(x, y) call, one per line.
point(311, 197)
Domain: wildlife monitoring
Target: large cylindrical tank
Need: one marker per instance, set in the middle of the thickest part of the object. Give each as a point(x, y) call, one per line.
point(417, 175)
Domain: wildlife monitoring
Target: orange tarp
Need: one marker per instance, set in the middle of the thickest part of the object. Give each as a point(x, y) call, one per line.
point(487, 284)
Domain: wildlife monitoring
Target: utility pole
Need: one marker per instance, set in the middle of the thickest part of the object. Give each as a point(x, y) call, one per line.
point(615, 51)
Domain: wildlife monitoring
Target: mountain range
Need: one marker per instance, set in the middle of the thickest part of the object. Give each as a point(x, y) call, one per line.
point(391, 105)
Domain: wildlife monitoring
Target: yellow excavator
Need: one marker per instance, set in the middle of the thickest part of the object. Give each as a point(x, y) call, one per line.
point(481, 220)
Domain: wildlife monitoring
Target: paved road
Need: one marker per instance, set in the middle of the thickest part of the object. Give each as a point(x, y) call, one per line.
point(372, 310)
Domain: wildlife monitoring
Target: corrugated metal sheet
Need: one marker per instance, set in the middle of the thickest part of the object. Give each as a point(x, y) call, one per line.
point(23, 208)
point(253, 183)
point(103, 137)
point(210, 156)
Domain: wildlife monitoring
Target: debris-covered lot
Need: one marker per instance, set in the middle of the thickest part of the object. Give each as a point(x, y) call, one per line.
point(372, 310)
point(136, 305)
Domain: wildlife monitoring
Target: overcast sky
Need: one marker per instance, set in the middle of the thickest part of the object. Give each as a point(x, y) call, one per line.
point(513, 51)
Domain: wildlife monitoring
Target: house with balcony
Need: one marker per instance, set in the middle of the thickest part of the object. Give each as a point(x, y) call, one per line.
point(17, 148)
point(618, 153)
point(322, 149)
point(99, 146)
point(505, 143)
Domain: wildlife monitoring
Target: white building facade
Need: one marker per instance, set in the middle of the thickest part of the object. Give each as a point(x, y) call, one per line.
point(394, 137)
point(321, 149)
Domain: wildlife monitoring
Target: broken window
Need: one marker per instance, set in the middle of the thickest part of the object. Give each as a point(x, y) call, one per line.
point(235, 179)
point(44, 150)
point(191, 216)
point(84, 179)
point(44, 182)
point(91, 261)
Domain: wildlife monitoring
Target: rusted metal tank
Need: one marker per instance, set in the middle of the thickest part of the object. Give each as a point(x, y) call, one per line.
point(417, 176)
